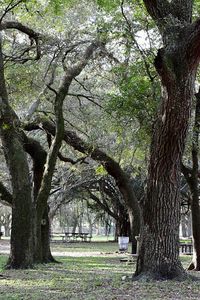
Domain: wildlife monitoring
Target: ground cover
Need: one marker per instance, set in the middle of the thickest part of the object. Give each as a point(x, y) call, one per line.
point(88, 271)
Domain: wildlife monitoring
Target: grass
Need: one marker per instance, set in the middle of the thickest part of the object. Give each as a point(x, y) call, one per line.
point(95, 238)
point(88, 277)
point(98, 247)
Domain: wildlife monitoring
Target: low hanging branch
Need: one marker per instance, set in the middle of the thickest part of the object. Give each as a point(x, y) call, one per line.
point(20, 27)
point(33, 36)
point(111, 166)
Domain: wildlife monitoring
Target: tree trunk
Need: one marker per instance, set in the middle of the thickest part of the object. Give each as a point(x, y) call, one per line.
point(192, 178)
point(176, 64)
point(7, 230)
point(123, 225)
point(159, 251)
point(21, 255)
point(195, 209)
point(45, 238)
point(41, 240)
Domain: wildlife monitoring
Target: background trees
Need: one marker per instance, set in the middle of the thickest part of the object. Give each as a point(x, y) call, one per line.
point(83, 91)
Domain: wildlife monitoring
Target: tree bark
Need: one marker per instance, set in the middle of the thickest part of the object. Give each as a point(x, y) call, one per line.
point(42, 252)
point(159, 253)
point(192, 178)
point(21, 255)
point(159, 247)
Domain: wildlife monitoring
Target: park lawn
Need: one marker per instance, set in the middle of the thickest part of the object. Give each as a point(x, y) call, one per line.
point(83, 277)
point(93, 247)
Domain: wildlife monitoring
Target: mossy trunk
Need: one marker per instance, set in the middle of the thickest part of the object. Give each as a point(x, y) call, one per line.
point(21, 255)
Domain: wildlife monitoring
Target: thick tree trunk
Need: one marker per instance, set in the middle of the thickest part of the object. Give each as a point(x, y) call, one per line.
point(42, 252)
point(176, 64)
point(192, 178)
point(159, 251)
point(21, 255)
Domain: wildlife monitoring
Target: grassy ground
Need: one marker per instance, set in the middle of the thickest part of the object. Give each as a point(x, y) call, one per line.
point(80, 276)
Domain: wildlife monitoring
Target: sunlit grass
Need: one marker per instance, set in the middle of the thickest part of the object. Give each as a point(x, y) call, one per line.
point(97, 277)
point(86, 247)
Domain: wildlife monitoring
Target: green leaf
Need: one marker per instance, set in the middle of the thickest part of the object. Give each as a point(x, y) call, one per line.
point(100, 170)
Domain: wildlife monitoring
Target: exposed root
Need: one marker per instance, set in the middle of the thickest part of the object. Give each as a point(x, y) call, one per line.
point(156, 276)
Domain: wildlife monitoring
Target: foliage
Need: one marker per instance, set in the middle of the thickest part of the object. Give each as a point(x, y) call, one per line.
point(59, 5)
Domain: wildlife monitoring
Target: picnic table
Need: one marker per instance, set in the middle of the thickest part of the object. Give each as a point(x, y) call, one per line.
point(77, 236)
point(186, 248)
point(57, 237)
point(71, 237)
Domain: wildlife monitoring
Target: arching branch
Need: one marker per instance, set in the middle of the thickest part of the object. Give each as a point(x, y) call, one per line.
point(20, 27)
point(33, 36)
point(111, 166)
point(5, 196)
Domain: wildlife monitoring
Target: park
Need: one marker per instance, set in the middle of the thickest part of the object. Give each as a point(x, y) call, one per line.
point(88, 271)
point(99, 149)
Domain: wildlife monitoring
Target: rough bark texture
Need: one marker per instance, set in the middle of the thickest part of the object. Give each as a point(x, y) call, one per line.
point(21, 255)
point(42, 252)
point(159, 250)
point(21, 234)
point(192, 178)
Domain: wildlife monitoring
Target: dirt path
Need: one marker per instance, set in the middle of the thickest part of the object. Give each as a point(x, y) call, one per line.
point(4, 247)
